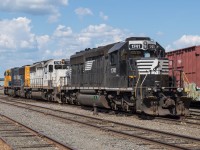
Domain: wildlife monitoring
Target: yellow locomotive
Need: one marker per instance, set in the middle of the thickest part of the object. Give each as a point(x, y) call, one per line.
point(7, 81)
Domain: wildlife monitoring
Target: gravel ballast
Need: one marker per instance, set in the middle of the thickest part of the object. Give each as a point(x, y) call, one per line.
point(183, 129)
point(78, 136)
point(83, 137)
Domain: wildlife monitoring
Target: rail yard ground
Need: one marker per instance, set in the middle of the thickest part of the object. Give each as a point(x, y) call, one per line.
point(1, 90)
point(81, 136)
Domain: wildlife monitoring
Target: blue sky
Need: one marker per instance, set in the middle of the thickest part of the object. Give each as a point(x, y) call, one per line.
point(34, 30)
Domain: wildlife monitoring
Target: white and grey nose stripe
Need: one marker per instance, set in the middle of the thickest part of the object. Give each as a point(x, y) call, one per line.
point(147, 67)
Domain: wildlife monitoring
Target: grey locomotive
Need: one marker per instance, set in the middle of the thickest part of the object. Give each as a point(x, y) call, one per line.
point(132, 76)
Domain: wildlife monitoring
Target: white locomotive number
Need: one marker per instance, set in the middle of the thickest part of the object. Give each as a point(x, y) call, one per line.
point(135, 46)
point(151, 46)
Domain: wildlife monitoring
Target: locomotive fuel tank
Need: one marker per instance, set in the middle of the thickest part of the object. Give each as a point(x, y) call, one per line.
point(92, 99)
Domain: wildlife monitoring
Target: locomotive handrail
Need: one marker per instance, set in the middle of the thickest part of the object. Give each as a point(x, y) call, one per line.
point(63, 81)
point(141, 85)
point(173, 76)
point(184, 75)
point(136, 85)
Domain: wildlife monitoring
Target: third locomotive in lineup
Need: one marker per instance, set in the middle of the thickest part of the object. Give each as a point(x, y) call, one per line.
point(132, 76)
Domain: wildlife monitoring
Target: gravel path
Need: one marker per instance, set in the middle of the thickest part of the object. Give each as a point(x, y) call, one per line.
point(1, 91)
point(78, 136)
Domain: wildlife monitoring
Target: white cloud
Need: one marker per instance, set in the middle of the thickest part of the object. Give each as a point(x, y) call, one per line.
point(184, 41)
point(6, 42)
point(54, 17)
point(64, 42)
point(168, 48)
point(42, 41)
point(102, 34)
point(62, 31)
point(159, 33)
point(91, 36)
point(100, 30)
point(103, 16)
point(83, 11)
point(34, 7)
point(20, 46)
point(16, 34)
point(58, 53)
point(187, 40)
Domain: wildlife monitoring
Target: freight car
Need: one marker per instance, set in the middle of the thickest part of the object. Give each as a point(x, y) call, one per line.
point(132, 75)
point(187, 60)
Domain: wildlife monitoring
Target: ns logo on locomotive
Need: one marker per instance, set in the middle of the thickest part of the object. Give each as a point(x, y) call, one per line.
point(132, 75)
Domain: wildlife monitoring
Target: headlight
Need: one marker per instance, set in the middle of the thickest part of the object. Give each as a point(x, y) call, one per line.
point(155, 89)
point(149, 89)
point(179, 89)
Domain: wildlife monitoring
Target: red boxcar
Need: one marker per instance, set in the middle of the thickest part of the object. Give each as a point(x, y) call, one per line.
point(187, 60)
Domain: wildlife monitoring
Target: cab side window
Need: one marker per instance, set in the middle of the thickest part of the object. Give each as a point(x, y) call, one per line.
point(50, 68)
point(114, 58)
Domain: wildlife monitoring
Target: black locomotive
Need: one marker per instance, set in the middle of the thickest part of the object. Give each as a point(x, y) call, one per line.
point(131, 76)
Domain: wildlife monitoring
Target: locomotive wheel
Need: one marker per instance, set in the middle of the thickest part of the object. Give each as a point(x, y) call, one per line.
point(70, 101)
point(63, 100)
point(114, 106)
point(49, 97)
point(26, 95)
point(125, 107)
point(30, 96)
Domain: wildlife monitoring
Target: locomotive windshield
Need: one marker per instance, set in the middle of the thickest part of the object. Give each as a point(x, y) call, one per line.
point(61, 64)
point(141, 53)
point(61, 67)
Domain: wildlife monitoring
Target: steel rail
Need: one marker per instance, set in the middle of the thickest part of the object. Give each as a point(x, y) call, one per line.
point(57, 143)
point(187, 121)
point(180, 121)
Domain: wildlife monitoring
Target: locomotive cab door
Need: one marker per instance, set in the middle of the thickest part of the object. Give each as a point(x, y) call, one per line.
point(113, 70)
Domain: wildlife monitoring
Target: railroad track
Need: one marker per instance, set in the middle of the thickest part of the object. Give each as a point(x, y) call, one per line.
point(167, 140)
point(189, 120)
point(192, 120)
point(19, 136)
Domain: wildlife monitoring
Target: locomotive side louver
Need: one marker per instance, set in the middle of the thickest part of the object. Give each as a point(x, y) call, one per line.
point(88, 65)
